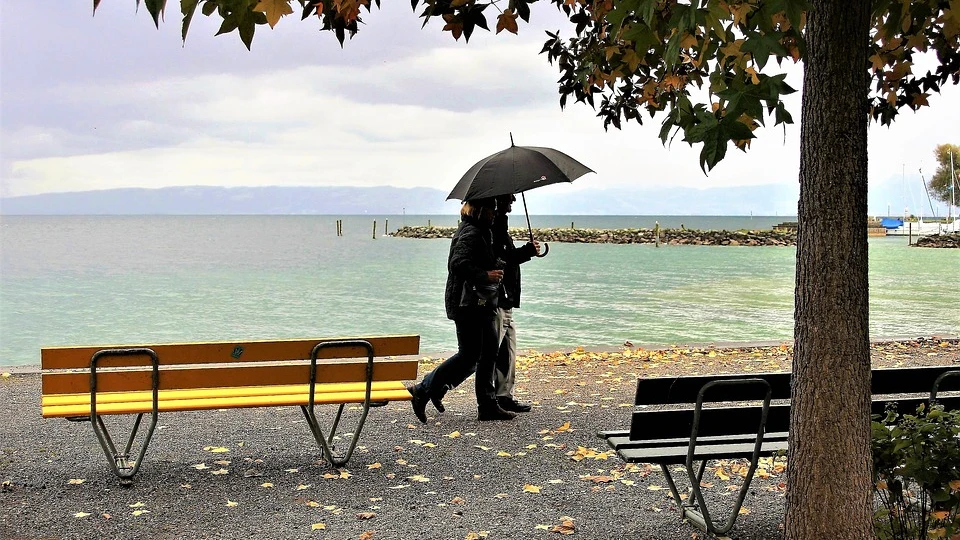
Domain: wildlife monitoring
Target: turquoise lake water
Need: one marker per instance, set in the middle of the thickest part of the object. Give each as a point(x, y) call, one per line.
point(148, 279)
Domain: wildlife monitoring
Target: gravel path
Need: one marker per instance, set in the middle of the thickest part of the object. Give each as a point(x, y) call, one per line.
point(258, 473)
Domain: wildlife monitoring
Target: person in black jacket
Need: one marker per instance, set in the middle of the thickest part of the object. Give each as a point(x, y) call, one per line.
point(470, 297)
point(509, 297)
point(513, 257)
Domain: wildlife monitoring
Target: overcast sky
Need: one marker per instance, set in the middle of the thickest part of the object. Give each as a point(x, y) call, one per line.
point(110, 101)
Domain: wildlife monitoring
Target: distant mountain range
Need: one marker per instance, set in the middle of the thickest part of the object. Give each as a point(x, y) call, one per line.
point(206, 200)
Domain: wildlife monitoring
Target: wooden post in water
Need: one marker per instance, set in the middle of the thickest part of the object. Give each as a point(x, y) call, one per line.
point(428, 223)
point(571, 226)
point(374, 229)
point(386, 226)
point(656, 233)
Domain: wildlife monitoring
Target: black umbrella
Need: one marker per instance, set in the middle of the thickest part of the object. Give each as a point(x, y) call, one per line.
point(516, 170)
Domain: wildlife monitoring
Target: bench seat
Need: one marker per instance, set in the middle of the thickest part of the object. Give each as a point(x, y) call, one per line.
point(71, 405)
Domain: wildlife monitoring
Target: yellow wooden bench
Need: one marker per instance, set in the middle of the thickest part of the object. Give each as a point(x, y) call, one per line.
point(86, 383)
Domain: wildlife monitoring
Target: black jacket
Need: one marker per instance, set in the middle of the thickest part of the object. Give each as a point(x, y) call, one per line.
point(512, 257)
point(471, 256)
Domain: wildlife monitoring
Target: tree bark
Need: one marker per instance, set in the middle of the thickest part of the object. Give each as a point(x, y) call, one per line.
point(829, 481)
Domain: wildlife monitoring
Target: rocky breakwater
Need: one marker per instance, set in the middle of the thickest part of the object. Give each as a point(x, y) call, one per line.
point(939, 241)
point(629, 236)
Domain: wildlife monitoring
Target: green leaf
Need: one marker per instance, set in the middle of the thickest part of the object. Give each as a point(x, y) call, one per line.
point(188, 8)
point(155, 8)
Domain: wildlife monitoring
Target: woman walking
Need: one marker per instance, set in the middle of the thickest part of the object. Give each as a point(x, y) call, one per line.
point(470, 298)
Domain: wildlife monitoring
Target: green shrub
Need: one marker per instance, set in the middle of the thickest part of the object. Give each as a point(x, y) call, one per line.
point(916, 469)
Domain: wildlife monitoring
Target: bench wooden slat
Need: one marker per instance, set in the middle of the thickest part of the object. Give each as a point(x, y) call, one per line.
point(228, 376)
point(398, 393)
point(678, 454)
point(674, 390)
point(624, 442)
point(224, 352)
point(147, 395)
point(717, 421)
point(684, 389)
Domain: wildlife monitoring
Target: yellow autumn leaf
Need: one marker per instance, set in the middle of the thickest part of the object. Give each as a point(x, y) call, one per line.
point(219, 471)
point(302, 487)
point(200, 466)
point(318, 526)
point(274, 9)
point(136, 505)
point(530, 488)
point(76, 481)
point(418, 478)
point(216, 449)
point(654, 487)
point(940, 514)
point(5, 375)
point(374, 465)
point(140, 512)
point(81, 514)
point(542, 527)
point(484, 448)
point(453, 435)
point(266, 485)
point(721, 474)
point(231, 503)
point(564, 427)
point(744, 510)
point(501, 453)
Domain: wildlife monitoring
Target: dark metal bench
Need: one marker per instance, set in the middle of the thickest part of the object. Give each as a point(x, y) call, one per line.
point(682, 420)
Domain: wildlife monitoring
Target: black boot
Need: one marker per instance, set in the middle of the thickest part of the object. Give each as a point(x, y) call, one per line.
point(419, 402)
point(507, 403)
point(492, 411)
point(438, 403)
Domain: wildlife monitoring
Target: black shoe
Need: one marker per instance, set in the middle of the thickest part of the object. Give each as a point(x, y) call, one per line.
point(438, 403)
point(512, 405)
point(419, 402)
point(493, 412)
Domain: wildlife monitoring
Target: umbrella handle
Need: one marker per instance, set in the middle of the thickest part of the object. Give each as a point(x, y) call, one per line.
point(546, 248)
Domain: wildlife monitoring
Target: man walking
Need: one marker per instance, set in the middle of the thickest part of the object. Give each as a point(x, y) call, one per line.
point(513, 257)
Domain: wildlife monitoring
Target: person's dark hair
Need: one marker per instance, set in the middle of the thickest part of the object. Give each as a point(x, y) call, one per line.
point(473, 207)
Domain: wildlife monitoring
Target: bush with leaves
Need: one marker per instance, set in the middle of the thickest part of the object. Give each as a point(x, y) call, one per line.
point(916, 464)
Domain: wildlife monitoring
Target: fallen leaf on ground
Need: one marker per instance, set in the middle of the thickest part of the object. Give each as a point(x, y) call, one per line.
point(530, 488)
point(367, 535)
point(140, 512)
point(216, 449)
point(418, 478)
point(76, 481)
point(219, 471)
point(366, 515)
point(200, 466)
point(231, 503)
point(374, 465)
point(566, 526)
point(453, 435)
point(136, 505)
point(302, 487)
point(266, 485)
point(318, 526)
point(81, 514)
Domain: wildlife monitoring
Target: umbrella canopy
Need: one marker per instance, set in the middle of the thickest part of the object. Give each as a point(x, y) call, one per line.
point(515, 170)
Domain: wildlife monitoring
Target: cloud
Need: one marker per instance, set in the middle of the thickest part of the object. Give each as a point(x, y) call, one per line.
point(108, 101)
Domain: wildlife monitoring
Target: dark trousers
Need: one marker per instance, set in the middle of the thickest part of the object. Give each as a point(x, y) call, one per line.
point(477, 348)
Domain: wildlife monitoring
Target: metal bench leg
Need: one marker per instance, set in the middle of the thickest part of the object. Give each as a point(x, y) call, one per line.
point(702, 518)
point(119, 461)
point(326, 442)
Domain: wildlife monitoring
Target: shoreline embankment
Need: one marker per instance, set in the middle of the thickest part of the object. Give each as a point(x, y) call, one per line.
point(682, 236)
point(629, 236)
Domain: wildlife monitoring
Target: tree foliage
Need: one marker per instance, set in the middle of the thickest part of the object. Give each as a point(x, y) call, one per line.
point(712, 68)
point(945, 183)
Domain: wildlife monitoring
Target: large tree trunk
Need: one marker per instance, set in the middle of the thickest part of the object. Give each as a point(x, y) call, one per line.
point(829, 486)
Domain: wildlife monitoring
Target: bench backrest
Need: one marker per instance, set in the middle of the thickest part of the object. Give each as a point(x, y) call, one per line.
point(66, 370)
point(911, 386)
